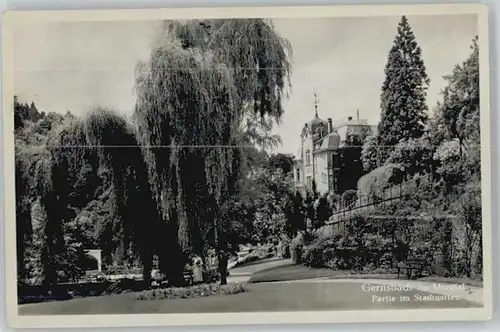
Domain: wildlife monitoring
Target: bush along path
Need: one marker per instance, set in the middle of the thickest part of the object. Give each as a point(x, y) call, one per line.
point(202, 290)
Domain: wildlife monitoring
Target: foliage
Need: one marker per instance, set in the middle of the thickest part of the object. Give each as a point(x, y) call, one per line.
point(35, 257)
point(295, 209)
point(334, 201)
point(32, 171)
point(317, 253)
point(371, 185)
point(71, 179)
point(271, 219)
point(349, 197)
point(296, 246)
point(453, 168)
point(348, 164)
point(403, 91)
point(438, 217)
point(459, 110)
point(196, 291)
point(309, 208)
point(282, 161)
point(323, 212)
point(251, 47)
point(192, 173)
point(256, 130)
point(369, 245)
point(25, 114)
point(457, 124)
point(239, 215)
point(469, 211)
point(370, 157)
point(215, 87)
point(415, 155)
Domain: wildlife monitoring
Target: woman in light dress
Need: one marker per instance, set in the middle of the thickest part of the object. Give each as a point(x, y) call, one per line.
point(197, 269)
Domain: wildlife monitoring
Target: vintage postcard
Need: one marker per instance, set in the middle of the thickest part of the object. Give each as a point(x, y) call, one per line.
point(207, 166)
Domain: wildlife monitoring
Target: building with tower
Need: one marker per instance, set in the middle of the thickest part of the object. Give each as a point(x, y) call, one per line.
point(321, 141)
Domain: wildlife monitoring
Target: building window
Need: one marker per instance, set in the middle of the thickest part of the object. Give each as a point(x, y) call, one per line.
point(309, 182)
point(298, 175)
point(308, 157)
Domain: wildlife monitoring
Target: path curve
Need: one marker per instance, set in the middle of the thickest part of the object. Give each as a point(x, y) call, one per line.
point(242, 274)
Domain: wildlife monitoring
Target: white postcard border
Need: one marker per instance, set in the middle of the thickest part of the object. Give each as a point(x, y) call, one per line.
point(54, 321)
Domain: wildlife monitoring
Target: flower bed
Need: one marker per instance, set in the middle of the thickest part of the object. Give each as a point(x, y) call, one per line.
point(202, 290)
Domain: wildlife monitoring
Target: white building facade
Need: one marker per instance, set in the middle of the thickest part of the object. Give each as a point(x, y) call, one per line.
point(316, 158)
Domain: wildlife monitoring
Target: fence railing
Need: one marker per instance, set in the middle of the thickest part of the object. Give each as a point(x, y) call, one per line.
point(365, 203)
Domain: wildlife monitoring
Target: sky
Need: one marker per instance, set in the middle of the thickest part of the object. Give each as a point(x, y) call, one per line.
point(76, 66)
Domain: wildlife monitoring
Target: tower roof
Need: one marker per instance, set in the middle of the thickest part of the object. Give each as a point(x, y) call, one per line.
point(316, 122)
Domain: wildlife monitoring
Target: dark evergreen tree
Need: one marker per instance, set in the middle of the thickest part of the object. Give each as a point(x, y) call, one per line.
point(309, 208)
point(403, 91)
point(349, 164)
point(296, 214)
point(323, 212)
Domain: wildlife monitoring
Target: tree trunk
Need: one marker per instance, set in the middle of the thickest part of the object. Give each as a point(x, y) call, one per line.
point(447, 251)
point(223, 267)
point(172, 262)
point(146, 272)
point(479, 260)
point(468, 250)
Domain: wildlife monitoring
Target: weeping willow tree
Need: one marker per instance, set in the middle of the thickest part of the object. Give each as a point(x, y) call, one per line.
point(259, 61)
point(193, 94)
point(81, 160)
point(34, 187)
point(208, 89)
point(25, 162)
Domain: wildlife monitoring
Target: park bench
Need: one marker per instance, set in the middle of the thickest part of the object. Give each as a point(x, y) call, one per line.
point(188, 276)
point(415, 264)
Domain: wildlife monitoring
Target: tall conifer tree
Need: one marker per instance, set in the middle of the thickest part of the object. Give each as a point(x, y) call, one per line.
point(403, 91)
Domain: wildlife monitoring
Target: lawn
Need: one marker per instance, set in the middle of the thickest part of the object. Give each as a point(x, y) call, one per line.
point(300, 296)
point(299, 272)
point(290, 272)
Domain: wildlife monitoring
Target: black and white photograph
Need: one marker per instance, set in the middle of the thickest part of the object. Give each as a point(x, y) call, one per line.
point(247, 165)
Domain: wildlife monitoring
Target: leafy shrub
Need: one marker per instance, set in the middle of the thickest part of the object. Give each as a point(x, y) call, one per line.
point(324, 232)
point(370, 155)
point(283, 249)
point(333, 200)
point(320, 251)
point(369, 245)
point(414, 155)
point(211, 275)
point(372, 185)
point(296, 246)
point(349, 197)
point(196, 291)
point(469, 210)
